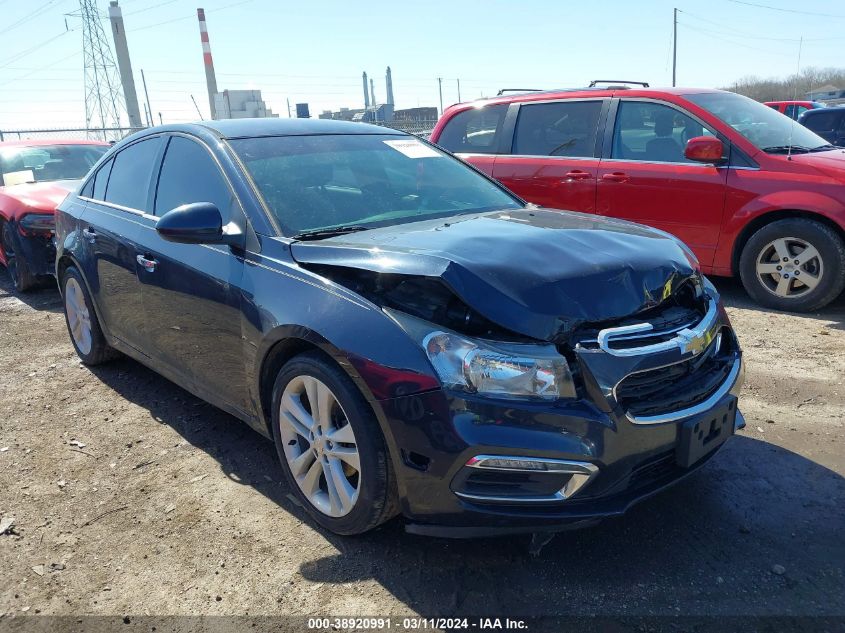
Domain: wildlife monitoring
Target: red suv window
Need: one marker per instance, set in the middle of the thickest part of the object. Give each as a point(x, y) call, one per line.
point(475, 131)
point(563, 128)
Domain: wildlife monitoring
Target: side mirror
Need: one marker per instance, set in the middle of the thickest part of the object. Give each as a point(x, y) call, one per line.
point(196, 223)
point(705, 149)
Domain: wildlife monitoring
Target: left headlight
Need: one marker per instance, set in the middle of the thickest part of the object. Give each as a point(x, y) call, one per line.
point(501, 370)
point(38, 222)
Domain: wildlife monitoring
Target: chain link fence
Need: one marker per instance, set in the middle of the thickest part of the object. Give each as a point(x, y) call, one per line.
point(418, 128)
point(108, 134)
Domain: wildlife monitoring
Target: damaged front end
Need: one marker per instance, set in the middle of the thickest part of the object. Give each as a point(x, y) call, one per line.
point(570, 390)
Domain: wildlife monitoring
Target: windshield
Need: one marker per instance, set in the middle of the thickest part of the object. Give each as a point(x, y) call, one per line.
point(319, 183)
point(39, 163)
point(768, 129)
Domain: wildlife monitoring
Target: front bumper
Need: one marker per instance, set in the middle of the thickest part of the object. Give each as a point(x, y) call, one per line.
point(603, 458)
point(39, 251)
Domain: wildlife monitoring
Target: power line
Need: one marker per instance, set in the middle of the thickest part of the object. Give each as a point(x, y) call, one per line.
point(32, 49)
point(729, 30)
point(188, 17)
point(766, 6)
point(29, 16)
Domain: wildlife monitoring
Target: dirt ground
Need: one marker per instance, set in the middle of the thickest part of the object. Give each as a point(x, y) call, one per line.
point(130, 496)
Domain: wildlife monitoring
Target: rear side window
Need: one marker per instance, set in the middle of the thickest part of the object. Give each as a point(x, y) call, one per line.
point(100, 181)
point(653, 132)
point(129, 181)
point(566, 128)
point(189, 174)
point(474, 131)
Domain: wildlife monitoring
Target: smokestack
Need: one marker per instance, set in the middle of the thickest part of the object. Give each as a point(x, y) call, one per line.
point(210, 79)
point(124, 66)
point(389, 83)
point(366, 93)
point(372, 93)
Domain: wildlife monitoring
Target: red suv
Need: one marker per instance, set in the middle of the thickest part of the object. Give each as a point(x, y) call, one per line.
point(751, 192)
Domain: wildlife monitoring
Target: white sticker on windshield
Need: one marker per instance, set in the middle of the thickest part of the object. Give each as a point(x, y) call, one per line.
point(413, 149)
point(17, 177)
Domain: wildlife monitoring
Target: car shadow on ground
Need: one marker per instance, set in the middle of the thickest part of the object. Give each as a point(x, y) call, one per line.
point(734, 295)
point(713, 544)
point(44, 298)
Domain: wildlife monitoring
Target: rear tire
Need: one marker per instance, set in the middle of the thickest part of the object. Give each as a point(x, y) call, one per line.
point(794, 264)
point(22, 279)
point(81, 319)
point(335, 462)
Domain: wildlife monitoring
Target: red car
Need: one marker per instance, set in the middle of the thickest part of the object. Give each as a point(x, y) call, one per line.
point(750, 191)
point(793, 109)
point(35, 176)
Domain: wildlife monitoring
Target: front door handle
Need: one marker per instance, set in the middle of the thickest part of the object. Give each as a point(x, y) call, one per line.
point(89, 235)
point(147, 264)
point(616, 176)
point(577, 174)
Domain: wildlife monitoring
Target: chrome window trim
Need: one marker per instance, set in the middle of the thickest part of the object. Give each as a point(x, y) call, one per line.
point(119, 207)
point(665, 162)
point(547, 156)
point(582, 473)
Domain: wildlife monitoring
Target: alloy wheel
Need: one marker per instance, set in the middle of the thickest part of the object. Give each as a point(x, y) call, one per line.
point(789, 267)
point(78, 316)
point(319, 445)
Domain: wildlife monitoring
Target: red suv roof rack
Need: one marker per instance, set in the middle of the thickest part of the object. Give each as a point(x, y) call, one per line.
point(593, 83)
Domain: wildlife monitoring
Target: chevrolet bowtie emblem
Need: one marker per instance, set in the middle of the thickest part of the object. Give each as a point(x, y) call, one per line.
point(694, 342)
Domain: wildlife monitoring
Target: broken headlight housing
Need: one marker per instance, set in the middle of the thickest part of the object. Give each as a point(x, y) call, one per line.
point(500, 370)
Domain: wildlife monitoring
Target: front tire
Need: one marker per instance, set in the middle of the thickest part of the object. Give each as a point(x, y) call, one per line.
point(331, 447)
point(82, 324)
point(793, 264)
point(22, 279)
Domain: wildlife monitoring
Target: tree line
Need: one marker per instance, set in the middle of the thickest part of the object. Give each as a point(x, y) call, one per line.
point(795, 86)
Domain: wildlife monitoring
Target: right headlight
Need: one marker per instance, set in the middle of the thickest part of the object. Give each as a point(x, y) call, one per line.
point(501, 370)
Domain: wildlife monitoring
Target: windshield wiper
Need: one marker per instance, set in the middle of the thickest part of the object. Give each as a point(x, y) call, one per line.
point(784, 149)
point(319, 234)
point(824, 148)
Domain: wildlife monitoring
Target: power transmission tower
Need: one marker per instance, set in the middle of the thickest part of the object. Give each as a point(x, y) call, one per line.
point(104, 101)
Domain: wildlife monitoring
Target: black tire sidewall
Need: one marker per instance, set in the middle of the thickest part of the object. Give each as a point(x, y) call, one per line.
point(370, 507)
point(16, 265)
point(824, 239)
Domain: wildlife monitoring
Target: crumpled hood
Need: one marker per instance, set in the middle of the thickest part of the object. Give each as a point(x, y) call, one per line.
point(40, 196)
point(536, 272)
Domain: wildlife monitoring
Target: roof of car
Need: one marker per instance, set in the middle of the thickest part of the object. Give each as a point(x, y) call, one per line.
point(33, 142)
point(819, 111)
point(239, 128)
point(562, 93)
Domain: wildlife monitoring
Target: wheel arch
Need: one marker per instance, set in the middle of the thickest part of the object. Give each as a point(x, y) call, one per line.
point(286, 342)
point(773, 216)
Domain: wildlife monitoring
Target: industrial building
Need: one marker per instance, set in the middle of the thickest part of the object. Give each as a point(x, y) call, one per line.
point(241, 104)
point(372, 112)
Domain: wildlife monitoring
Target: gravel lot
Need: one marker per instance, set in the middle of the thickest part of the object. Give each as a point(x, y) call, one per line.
point(130, 496)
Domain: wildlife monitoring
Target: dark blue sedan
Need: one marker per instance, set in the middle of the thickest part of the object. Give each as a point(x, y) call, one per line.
point(413, 337)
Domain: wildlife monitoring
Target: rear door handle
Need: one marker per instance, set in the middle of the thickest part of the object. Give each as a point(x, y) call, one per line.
point(89, 235)
point(616, 176)
point(147, 264)
point(577, 174)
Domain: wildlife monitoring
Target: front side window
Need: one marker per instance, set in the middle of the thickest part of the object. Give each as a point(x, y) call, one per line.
point(767, 130)
point(474, 131)
point(189, 174)
point(312, 183)
point(129, 181)
point(565, 128)
point(653, 132)
point(40, 163)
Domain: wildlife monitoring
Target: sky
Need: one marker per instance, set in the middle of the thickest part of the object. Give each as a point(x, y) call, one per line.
point(315, 51)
